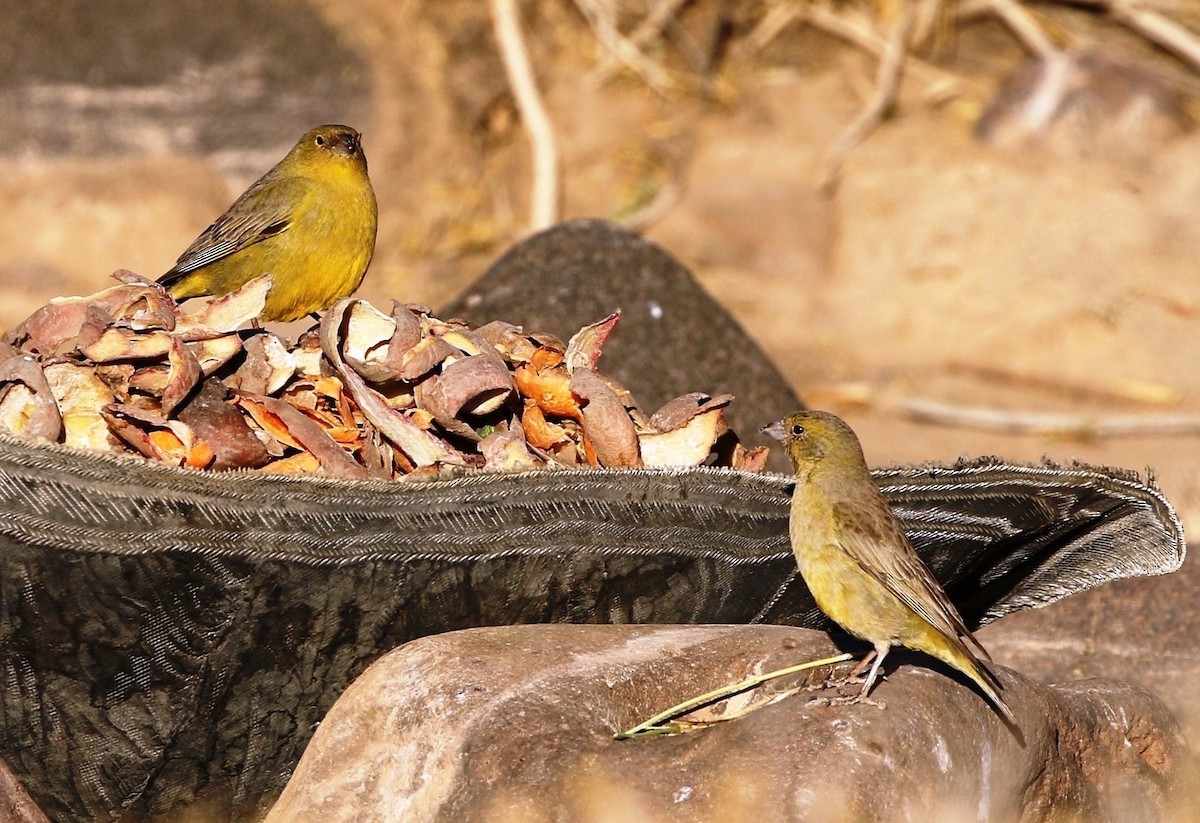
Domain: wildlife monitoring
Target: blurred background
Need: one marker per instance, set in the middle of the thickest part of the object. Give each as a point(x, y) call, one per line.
point(1008, 263)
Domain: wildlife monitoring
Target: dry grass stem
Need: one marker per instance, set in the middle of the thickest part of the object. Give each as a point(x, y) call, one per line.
point(1160, 30)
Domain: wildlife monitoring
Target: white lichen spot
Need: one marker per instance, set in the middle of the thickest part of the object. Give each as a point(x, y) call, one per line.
point(943, 755)
point(984, 806)
point(655, 309)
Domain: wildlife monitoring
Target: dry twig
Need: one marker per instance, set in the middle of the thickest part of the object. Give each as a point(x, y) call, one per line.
point(544, 205)
point(1150, 23)
point(1048, 423)
point(1159, 29)
point(668, 722)
point(887, 84)
point(622, 48)
point(1023, 26)
point(777, 18)
point(650, 27)
point(940, 84)
point(931, 16)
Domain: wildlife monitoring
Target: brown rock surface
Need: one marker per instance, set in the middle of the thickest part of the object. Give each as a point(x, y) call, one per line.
point(516, 724)
point(16, 806)
point(1142, 631)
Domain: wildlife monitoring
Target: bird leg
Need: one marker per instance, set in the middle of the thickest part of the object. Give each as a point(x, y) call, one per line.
point(862, 666)
point(876, 655)
point(855, 676)
point(881, 650)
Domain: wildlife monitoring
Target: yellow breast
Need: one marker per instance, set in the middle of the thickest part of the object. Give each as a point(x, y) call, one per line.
point(324, 255)
point(847, 594)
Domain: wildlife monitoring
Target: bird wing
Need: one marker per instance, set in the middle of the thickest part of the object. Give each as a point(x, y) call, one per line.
point(264, 210)
point(875, 540)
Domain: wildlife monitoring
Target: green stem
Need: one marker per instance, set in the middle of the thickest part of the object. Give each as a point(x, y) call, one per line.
point(655, 725)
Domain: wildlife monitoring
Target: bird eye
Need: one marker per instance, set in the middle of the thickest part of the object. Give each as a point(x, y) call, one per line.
point(797, 430)
point(320, 140)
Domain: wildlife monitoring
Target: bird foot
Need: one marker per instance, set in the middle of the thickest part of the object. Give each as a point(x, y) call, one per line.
point(846, 700)
point(837, 683)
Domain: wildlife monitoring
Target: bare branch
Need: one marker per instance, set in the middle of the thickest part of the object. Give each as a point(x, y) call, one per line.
point(1023, 25)
point(1048, 423)
point(887, 85)
point(650, 27)
point(1160, 30)
point(544, 201)
point(622, 48)
point(941, 84)
point(778, 18)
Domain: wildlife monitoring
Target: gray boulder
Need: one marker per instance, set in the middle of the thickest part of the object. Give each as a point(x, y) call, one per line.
point(517, 723)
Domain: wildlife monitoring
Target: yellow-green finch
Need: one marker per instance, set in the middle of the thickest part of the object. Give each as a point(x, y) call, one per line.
point(858, 563)
point(309, 222)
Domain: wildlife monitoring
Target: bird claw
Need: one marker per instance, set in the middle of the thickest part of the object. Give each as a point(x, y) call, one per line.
point(846, 700)
point(837, 682)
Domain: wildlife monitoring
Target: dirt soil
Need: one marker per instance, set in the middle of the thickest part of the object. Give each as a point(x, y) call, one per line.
point(1058, 276)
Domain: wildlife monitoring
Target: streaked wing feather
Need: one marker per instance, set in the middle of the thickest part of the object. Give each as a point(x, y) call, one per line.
point(264, 210)
point(864, 534)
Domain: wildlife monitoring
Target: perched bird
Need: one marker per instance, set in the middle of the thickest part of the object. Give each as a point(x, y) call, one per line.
point(857, 561)
point(309, 222)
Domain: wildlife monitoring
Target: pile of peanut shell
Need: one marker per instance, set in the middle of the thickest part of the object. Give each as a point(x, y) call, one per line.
point(362, 394)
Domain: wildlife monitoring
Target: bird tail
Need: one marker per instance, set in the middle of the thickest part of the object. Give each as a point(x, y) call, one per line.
point(954, 652)
point(183, 285)
point(980, 651)
point(171, 278)
point(987, 681)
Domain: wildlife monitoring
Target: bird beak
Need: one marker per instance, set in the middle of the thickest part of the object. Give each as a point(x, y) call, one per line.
point(346, 144)
point(774, 430)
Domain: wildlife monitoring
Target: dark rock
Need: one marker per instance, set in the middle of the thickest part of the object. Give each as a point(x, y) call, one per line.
point(517, 724)
point(673, 337)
